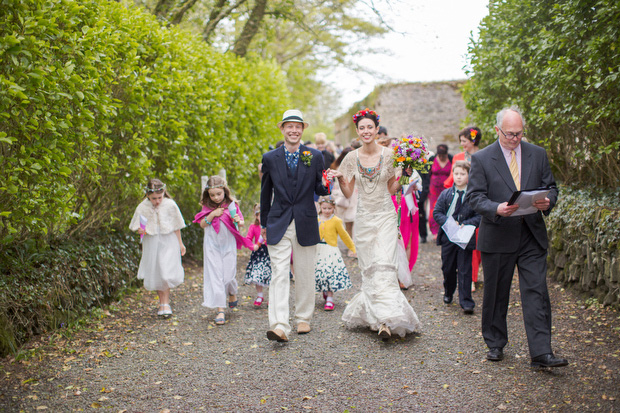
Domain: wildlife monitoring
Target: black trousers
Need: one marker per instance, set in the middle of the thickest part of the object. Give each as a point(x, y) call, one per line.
point(423, 219)
point(531, 259)
point(456, 268)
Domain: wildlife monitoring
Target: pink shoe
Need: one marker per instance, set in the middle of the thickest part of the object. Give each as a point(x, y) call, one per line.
point(329, 306)
point(258, 301)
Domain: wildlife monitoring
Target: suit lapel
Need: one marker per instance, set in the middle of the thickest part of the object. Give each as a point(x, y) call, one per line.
point(283, 172)
point(302, 169)
point(526, 166)
point(502, 167)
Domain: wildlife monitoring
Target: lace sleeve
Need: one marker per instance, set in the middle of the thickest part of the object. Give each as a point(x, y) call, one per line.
point(347, 167)
point(390, 170)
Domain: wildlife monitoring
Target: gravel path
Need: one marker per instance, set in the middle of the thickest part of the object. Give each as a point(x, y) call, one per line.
point(129, 360)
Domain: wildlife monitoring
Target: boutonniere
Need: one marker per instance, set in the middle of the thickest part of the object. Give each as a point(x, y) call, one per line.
point(306, 157)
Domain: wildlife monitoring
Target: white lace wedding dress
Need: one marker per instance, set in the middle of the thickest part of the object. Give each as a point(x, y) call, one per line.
point(380, 300)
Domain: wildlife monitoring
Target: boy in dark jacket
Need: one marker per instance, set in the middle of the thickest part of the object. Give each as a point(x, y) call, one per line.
point(455, 261)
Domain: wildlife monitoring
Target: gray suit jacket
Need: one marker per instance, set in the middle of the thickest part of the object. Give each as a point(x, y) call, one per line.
point(490, 184)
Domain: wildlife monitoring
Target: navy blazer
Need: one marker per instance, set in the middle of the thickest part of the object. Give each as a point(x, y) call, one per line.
point(490, 184)
point(467, 216)
point(281, 202)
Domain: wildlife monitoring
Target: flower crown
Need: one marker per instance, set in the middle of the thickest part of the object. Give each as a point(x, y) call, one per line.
point(472, 134)
point(215, 186)
point(151, 190)
point(329, 200)
point(363, 113)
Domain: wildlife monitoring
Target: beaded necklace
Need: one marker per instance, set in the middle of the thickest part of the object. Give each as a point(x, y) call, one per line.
point(369, 174)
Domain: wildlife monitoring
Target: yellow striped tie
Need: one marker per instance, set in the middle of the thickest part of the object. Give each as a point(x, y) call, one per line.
point(514, 170)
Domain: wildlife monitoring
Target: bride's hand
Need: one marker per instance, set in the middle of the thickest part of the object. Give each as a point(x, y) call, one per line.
point(334, 173)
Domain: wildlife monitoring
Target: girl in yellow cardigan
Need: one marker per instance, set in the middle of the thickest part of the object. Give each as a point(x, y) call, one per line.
point(330, 272)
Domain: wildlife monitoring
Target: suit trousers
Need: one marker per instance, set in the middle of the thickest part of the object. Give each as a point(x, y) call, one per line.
point(531, 260)
point(304, 261)
point(456, 265)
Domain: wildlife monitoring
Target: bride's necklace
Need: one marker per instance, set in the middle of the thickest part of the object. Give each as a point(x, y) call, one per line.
point(369, 175)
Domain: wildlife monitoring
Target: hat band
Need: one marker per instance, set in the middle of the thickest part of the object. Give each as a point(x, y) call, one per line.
point(293, 119)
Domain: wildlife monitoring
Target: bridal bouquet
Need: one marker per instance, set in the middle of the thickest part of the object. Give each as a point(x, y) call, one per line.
point(411, 152)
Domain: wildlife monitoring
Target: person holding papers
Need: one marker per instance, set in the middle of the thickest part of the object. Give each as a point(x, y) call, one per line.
point(506, 241)
point(458, 222)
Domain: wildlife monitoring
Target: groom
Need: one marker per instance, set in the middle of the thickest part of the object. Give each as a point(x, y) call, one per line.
point(292, 174)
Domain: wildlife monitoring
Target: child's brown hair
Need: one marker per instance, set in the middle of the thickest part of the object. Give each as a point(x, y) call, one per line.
point(256, 214)
point(462, 164)
point(154, 185)
point(213, 182)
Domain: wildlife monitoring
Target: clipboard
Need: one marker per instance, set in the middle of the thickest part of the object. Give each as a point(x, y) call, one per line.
point(526, 198)
point(517, 194)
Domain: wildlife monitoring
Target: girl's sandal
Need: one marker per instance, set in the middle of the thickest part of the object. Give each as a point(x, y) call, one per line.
point(160, 312)
point(167, 310)
point(232, 304)
point(220, 320)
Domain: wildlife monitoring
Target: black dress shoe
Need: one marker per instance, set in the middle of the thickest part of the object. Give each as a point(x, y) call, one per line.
point(495, 354)
point(468, 310)
point(548, 360)
point(423, 240)
point(447, 300)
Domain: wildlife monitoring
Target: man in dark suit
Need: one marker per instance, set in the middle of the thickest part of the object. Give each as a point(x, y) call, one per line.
point(507, 241)
point(291, 176)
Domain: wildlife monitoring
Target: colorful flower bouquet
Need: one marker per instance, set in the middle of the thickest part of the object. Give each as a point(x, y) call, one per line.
point(411, 152)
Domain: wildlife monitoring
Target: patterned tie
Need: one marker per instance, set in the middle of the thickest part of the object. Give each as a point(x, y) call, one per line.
point(514, 170)
point(292, 159)
point(459, 203)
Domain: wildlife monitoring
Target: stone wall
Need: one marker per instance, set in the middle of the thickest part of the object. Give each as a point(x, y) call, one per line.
point(435, 110)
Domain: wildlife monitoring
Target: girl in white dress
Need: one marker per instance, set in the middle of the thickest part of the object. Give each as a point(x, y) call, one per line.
point(221, 218)
point(158, 220)
point(380, 305)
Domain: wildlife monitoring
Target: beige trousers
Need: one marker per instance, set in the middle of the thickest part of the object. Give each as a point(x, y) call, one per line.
point(304, 260)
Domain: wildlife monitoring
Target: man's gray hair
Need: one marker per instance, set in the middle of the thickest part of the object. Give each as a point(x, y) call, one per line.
point(500, 115)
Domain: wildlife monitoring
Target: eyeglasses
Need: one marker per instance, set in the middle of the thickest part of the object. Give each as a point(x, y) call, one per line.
point(511, 135)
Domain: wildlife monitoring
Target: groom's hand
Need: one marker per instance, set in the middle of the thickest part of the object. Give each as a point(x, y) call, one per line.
point(263, 233)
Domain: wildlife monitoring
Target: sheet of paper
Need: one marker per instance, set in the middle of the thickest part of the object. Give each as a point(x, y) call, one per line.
point(460, 235)
point(526, 200)
point(408, 194)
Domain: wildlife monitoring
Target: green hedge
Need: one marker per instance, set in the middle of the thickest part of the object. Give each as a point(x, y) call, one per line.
point(96, 98)
point(584, 251)
point(560, 62)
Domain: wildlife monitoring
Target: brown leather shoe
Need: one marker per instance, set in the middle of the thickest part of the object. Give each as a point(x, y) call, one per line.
point(303, 328)
point(277, 335)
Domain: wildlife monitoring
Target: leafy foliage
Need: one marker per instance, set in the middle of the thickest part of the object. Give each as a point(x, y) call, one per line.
point(559, 62)
point(306, 38)
point(96, 98)
point(39, 291)
point(585, 241)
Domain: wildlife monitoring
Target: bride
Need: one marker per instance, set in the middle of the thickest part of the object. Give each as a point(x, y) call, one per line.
point(380, 304)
